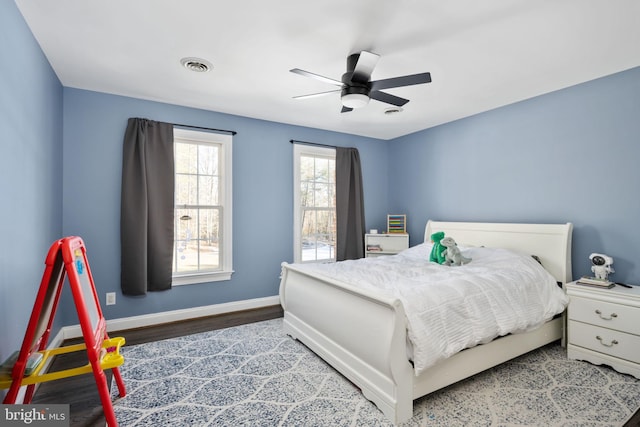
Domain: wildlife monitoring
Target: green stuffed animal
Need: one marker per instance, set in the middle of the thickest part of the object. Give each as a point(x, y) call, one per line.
point(437, 252)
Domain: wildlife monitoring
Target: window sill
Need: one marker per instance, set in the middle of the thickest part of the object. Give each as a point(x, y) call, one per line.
point(192, 279)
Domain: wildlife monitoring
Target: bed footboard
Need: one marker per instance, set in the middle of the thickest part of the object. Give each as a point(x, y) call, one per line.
point(361, 335)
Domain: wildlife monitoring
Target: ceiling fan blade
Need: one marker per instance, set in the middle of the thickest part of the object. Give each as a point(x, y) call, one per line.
point(364, 67)
point(346, 109)
point(413, 79)
point(388, 98)
point(316, 76)
point(315, 95)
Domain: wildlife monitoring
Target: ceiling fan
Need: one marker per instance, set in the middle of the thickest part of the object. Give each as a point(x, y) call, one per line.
point(356, 87)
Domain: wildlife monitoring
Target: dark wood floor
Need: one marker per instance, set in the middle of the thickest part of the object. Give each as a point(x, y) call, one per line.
point(80, 392)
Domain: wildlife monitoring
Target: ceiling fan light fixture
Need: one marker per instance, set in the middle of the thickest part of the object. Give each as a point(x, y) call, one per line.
point(355, 100)
point(357, 88)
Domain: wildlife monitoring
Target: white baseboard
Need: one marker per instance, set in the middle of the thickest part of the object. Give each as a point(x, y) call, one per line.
point(74, 331)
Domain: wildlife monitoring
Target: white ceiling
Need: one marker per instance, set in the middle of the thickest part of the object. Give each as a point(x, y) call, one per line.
point(481, 54)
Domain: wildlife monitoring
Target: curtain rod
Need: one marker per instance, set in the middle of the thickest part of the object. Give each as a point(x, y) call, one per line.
point(294, 141)
point(232, 132)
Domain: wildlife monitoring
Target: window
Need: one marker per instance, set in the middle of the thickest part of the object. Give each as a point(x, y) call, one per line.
point(314, 204)
point(202, 234)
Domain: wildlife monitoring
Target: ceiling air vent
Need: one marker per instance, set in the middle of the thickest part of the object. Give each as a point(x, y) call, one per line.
point(196, 64)
point(392, 110)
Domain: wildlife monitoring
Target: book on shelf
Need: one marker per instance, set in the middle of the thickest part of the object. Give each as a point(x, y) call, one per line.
point(374, 248)
point(594, 281)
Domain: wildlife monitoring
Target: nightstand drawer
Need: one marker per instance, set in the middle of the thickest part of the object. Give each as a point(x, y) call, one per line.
point(618, 344)
point(609, 315)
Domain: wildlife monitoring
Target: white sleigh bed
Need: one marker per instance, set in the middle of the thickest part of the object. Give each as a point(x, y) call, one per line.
point(363, 334)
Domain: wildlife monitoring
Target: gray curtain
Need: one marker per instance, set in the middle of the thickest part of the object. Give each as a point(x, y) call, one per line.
point(349, 205)
point(146, 213)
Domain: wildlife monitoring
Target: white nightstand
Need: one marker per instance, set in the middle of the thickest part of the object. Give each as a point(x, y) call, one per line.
point(604, 326)
point(385, 244)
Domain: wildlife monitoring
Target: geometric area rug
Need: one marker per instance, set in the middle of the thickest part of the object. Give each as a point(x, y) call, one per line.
point(255, 375)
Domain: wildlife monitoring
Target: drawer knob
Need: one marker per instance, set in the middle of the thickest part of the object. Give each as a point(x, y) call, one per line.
point(613, 342)
point(613, 315)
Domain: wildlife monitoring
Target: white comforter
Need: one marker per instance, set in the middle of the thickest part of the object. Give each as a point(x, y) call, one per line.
point(452, 308)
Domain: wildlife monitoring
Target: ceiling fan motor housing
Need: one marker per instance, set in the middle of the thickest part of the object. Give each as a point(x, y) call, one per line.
point(356, 88)
point(354, 93)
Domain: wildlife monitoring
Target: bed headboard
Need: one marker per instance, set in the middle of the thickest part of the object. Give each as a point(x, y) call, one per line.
point(550, 242)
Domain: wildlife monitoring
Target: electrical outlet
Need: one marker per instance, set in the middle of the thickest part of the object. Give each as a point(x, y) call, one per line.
point(111, 298)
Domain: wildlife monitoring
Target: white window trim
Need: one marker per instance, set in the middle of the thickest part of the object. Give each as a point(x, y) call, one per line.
point(227, 211)
point(298, 150)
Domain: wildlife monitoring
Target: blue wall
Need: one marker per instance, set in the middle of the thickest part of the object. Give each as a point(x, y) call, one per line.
point(568, 156)
point(30, 171)
point(94, 125)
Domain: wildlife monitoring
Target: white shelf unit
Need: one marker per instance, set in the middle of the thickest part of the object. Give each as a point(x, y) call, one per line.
point(388, 244)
